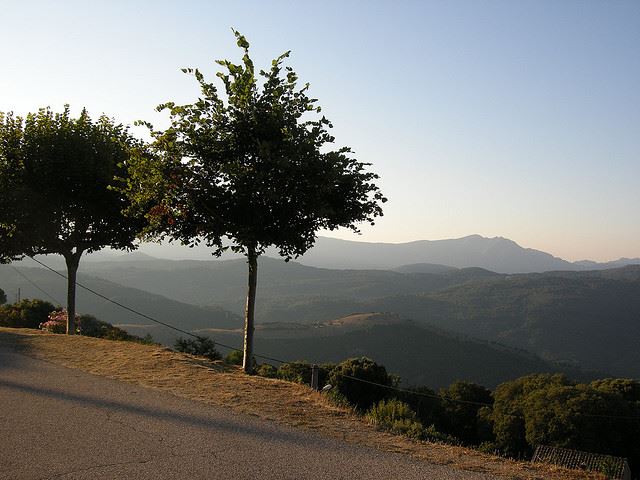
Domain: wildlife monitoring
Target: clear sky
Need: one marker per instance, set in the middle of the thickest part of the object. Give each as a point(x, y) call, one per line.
point(509, 118)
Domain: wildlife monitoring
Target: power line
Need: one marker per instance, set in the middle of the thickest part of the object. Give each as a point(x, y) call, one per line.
point(116, 303)
point(143, 315)
point(361, 380)
point(23, 275)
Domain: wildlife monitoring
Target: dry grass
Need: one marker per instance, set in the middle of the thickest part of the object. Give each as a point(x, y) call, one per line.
point(282, 402)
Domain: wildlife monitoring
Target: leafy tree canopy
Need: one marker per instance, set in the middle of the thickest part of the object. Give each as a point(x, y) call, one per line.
point(55, 178)
point(252, 165)
point(55, 173)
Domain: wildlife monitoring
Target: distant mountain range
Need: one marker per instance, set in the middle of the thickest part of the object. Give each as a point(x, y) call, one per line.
point(581, 314)
point(496, 254)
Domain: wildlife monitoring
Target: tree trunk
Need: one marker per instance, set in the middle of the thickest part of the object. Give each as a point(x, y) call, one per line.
point(73, 260)
point(247, 360)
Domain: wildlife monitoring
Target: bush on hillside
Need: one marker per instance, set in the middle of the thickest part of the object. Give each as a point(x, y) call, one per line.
point(57, 322)
point(200, 346)
point(361, 394)
point(396, 417)
point(425, 403)
point(25, 314)
point(300, 372)
point(90, 326)
point(268, 371)
point(234, 357)
point(462, 402)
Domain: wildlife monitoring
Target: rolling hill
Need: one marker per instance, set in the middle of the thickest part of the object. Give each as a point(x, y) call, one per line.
point(164, 309)
point(419, 354)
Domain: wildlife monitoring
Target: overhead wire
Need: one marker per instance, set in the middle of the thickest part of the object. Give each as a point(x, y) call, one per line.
point(23, 275)
point(350, 377)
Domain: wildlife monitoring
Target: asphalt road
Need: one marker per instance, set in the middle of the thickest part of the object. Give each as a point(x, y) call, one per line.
point(60, 423)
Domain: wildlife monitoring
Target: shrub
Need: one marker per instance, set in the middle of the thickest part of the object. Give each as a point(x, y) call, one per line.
point(432, 434)
point(90, 326)
point(25, 314)
point(56, 322)
point(234, 357)
point(425, 403)
point(268, 371)
point(463, 402)
point(298, 372)
point(344, 379)
point(200, 346)
point(396, 417)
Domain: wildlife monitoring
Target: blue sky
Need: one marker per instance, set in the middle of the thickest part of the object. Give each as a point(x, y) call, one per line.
point(517, 119)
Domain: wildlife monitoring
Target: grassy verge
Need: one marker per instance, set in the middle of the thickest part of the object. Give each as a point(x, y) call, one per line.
point(275, 400)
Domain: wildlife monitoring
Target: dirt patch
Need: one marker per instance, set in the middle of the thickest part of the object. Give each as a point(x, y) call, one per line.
point(282, 402)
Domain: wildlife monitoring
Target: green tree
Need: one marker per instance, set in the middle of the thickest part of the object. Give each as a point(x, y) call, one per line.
point(357, 381)
point(510, 408)
point(251, 169)
point(3, 297)
point(55, 177)
point(461, 402)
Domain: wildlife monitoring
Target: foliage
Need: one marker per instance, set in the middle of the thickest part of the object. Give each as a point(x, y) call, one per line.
point(600, 417)
point(462, 402)
point(361, 394)
point(55, 177)
point(234, 357)
point(396, 417)
point(424, 402)
point(509, 409)
point(200, 346)
point(300, 372)
point(60, 169)
point(432, 434)
point(268, 371)
point(257, 169)
point(57, 322)
point(3, 297)
point(89, 326)
point(253, 167)
point(25, 314)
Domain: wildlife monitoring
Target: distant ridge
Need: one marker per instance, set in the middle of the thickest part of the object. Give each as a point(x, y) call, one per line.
point(496, 254)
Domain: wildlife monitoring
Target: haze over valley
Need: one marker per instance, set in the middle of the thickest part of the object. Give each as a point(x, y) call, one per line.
point(571, 319)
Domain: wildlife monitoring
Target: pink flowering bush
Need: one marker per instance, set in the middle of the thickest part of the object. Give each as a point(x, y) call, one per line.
point(57, 322)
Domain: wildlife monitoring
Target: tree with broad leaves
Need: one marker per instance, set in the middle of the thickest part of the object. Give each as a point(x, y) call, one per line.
point(56, 174)
point(251, 169)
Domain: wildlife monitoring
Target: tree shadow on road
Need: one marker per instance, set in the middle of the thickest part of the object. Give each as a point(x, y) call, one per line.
point(240, 424)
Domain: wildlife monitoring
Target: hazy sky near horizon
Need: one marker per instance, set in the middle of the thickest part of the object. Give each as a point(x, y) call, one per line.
point(502, 118)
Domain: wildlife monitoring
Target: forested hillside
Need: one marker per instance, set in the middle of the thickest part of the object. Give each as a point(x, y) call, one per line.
point(177, 313)
point(587, 319)
point(418, 354)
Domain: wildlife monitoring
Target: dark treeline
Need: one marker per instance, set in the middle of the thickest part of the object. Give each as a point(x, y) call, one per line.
point(602, 416)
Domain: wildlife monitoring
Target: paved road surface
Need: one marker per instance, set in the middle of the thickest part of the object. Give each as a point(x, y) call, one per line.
point(61, 423)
